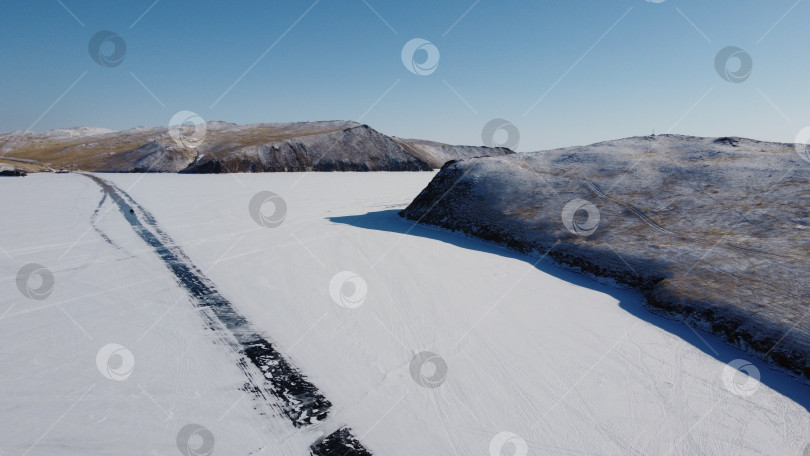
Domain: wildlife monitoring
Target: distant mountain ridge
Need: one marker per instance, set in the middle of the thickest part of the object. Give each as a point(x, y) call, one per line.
point(221, 147)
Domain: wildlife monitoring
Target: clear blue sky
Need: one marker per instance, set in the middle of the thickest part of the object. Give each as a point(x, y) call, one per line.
point(654, 69)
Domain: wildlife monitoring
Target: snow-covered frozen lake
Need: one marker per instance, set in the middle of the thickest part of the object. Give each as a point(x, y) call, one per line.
point(511, 352)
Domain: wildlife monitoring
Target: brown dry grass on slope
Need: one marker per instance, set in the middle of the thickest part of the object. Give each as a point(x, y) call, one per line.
point(102, 151)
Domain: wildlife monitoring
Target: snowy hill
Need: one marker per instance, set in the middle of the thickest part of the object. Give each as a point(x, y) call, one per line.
point(220, 147)
point(712, 230)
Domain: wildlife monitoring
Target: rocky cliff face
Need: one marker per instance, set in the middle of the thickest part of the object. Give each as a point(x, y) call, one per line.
point(712, 230)
point(220, 147)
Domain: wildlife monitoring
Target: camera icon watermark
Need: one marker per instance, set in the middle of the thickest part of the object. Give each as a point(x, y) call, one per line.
point(500, 133)
point(257, 208)
point(575, 224)
point(107, 48)
point(187, 129)
point(802, 144)
point(348, 289)
point(428, 369)
point(724, 64)
point(741, 378)
point(35, 281)
point(195, 440)
point(115, 362)
point(420, 56)
point(506, 440)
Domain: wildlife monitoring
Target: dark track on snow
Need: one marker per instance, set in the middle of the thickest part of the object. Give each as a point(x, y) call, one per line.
point(299, 400)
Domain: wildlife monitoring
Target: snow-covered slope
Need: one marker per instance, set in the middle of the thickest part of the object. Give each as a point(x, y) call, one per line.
point(712, 230)
point(220, 147)
point(534, 355)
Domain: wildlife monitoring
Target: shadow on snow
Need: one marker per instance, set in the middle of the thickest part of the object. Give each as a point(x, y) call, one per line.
point(629, 300)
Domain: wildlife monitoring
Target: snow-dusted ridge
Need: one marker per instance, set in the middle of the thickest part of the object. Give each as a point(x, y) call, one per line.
point(712, 230)
point(74, 132)
point(221, 147)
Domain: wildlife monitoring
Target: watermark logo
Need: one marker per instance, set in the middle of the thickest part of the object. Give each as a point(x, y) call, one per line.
point(187, 129)
point(741, 377)
point(575, 224)
point(35, 281)
point(195, 440)
point(258, 209)
point(348, 289)
point(803, 144)
point(428, 369)
point(420, 56)
point(508, 439)
point(115, 362)
point(500, 133)
point(725, 60)
point(107, 48)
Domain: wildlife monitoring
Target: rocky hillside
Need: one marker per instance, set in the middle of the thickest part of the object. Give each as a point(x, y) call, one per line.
point(712, 230)
point(219, 147)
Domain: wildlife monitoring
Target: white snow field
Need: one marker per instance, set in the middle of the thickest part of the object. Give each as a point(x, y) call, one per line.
point(538, 360)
